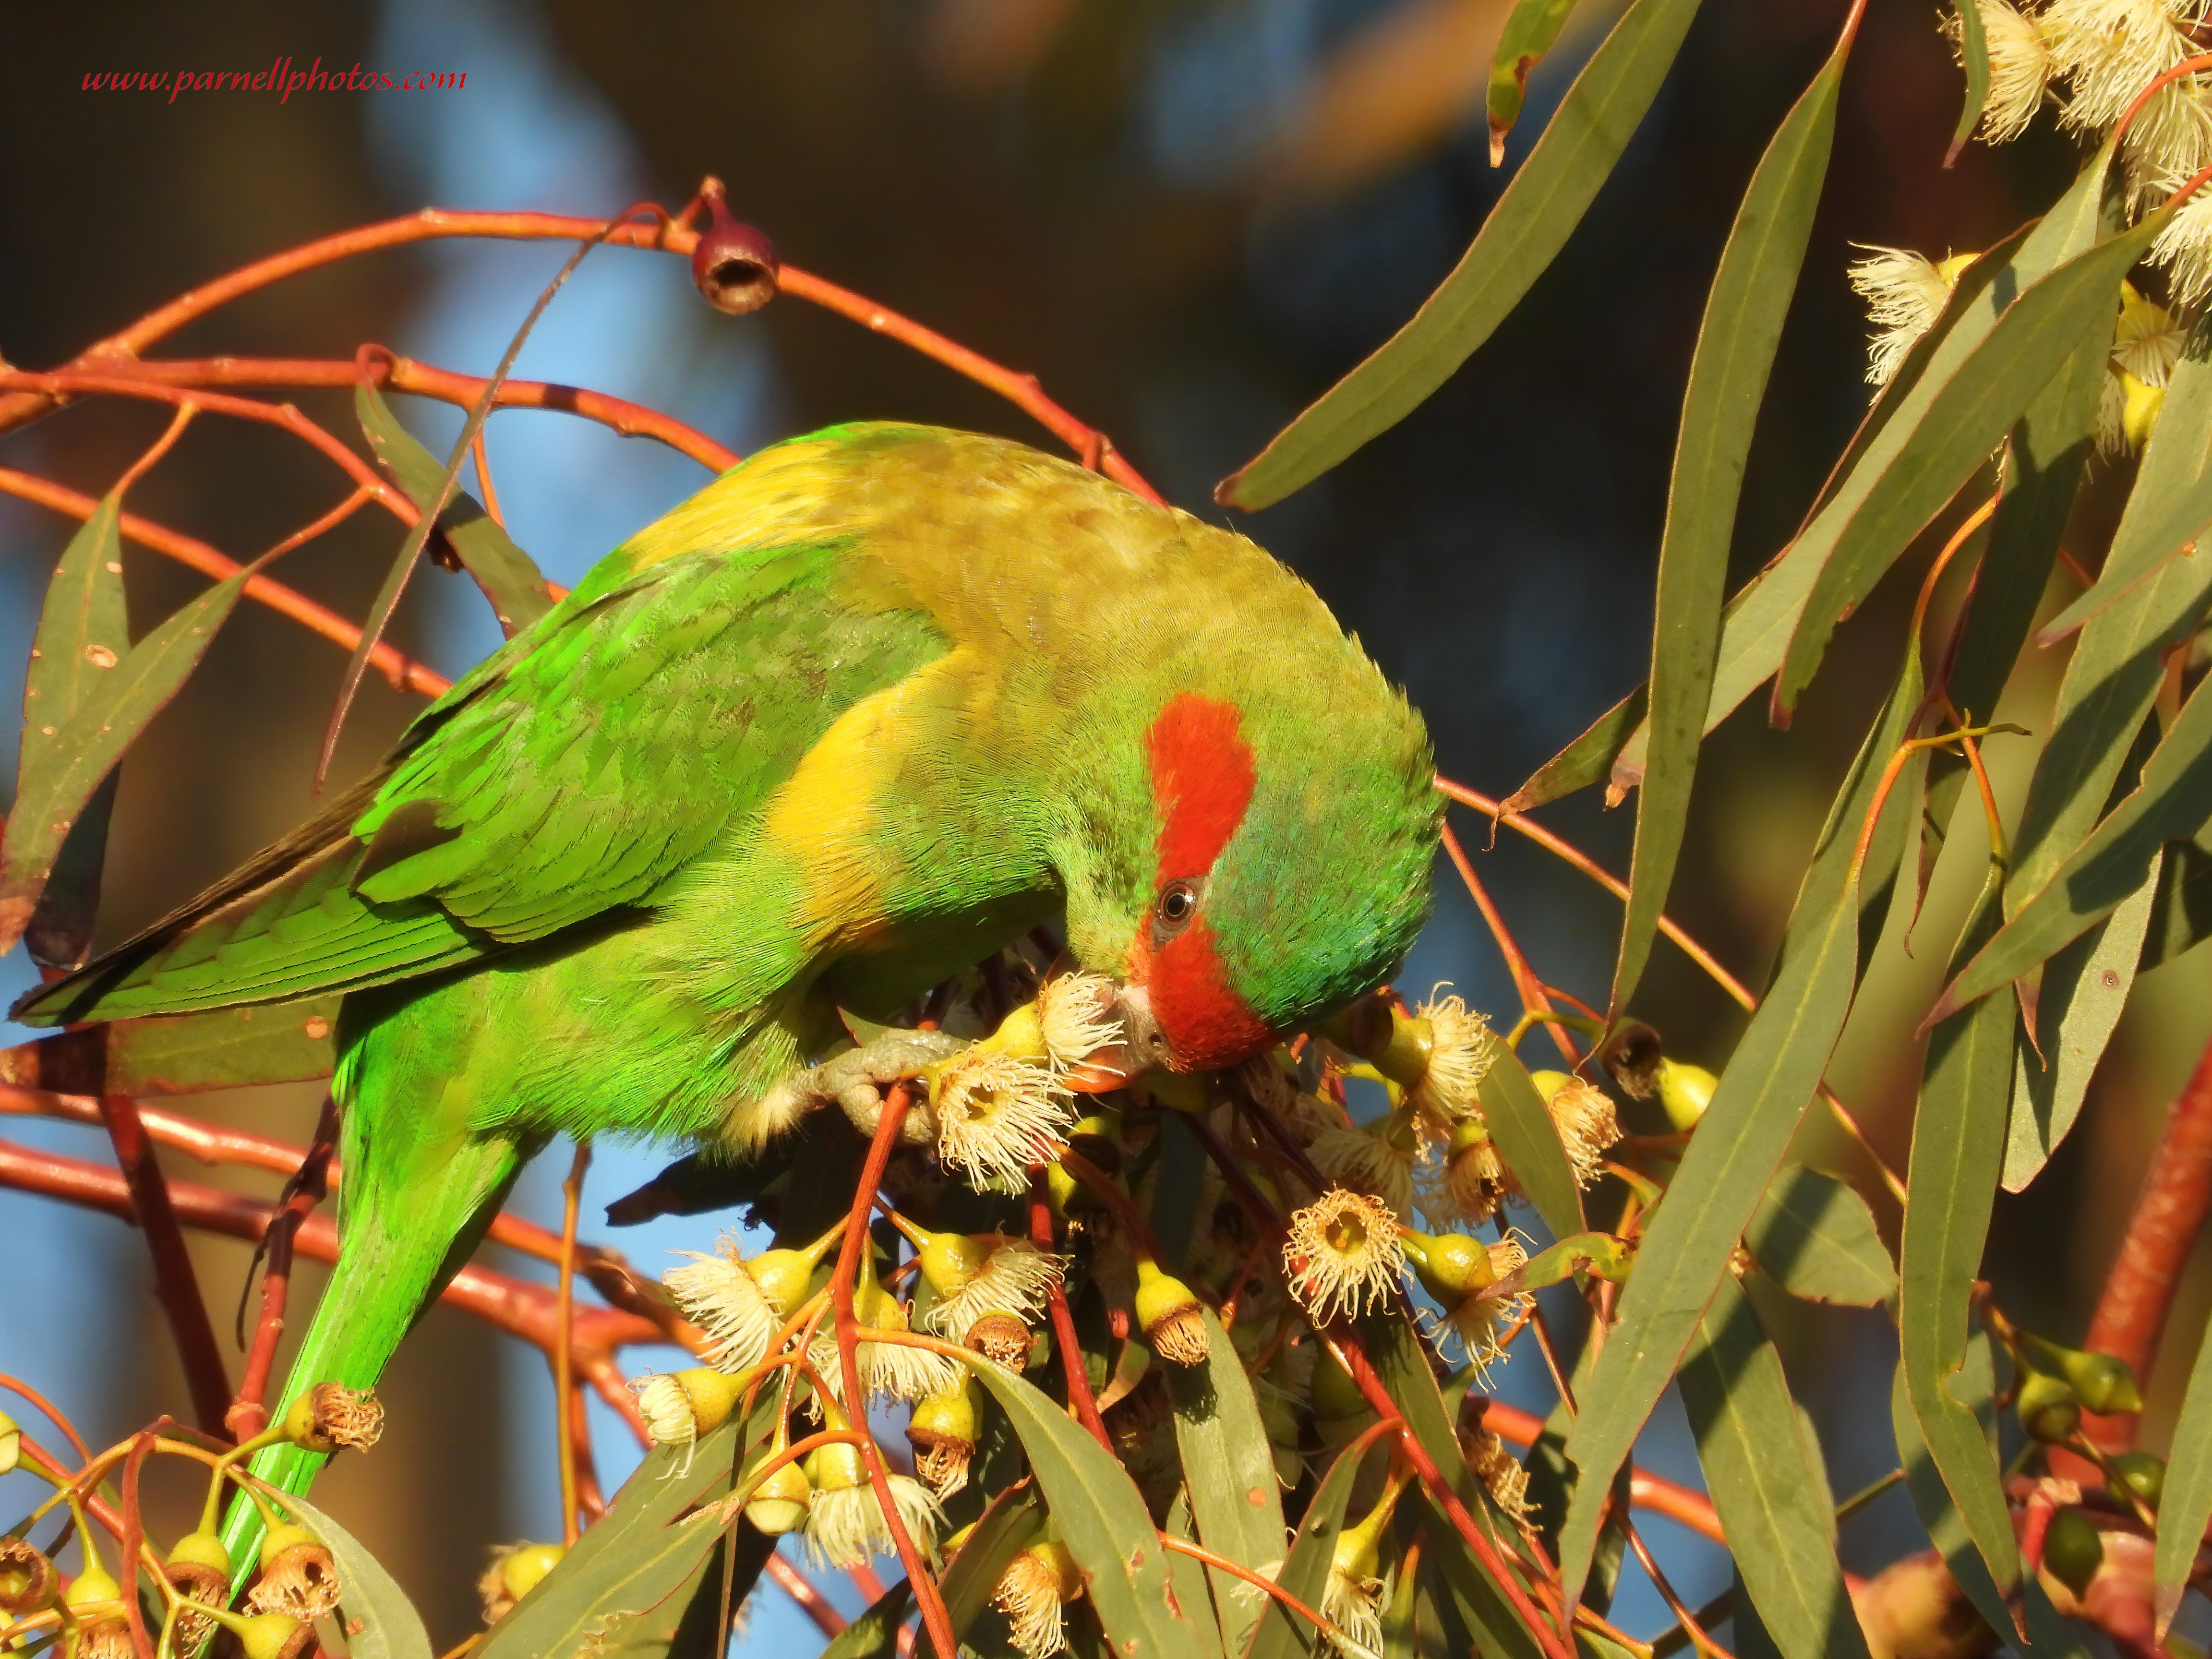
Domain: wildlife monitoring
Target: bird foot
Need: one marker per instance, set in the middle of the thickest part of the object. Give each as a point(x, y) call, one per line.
point(856, 1081)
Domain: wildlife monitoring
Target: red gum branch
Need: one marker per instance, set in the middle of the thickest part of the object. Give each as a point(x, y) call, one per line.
point(401, 672)
point(800, 1589)
point(392, 373)
point(176, 1287)
point(609, 1271)
point(2169, 1212)
point(521, 1309)
point(1063, 1320)
point(286, 416)
point(433, 223)
point(926, 1592)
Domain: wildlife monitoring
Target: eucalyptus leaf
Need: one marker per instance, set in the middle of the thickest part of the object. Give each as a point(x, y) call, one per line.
point(1736, 340)
point(2185, 1506)
point(1531, 29)
point(1527, 1139)
point(1814, 1236)
point(1280, 1634)
point(1526, 229)
point(389, 1626)
point(1229, 1472)
point(1768, 1483)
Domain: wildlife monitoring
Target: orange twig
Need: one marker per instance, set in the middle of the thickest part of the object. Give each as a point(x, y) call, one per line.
point(572, 1198)
point(1525, 982)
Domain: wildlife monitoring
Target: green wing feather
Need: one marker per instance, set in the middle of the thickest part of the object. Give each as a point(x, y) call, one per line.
point(571, 775)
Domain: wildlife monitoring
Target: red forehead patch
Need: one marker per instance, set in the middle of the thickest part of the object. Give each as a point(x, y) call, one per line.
point(1202, 779)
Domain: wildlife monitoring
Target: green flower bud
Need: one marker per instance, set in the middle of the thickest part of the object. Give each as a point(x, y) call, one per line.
point(1451, 1266)
point(2142, 1473)
point(273, 1636)
point(1685, 1091)
point(836, 1466)
point(11, 1442)
point(2047, 1408)
point(949, 1262)
point(778, 1504)
point(2073, 1550)
point(942, 1431)
point(91, 1588)
point(2104, 1384)
point(515, 1570)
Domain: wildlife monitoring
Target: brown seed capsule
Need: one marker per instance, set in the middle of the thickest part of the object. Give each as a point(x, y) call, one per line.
point(198, 1569)
point(942, 1431)
point(1001, 1338)
point(329, 1417)
point(298, 1576)
point(28, 1582)
point(734, 265)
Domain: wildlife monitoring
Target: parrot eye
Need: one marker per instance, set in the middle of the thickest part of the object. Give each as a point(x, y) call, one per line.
point(1178, 904)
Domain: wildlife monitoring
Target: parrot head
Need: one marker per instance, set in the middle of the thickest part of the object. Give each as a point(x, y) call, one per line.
point(1276, 819)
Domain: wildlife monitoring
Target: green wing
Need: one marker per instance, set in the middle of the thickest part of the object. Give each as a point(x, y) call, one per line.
point(565, 779)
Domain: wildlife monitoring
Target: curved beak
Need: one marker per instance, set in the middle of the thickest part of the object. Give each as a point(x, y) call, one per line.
point(1143, 1047)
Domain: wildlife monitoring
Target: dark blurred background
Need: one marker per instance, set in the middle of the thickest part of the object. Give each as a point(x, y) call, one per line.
point(1188, 217)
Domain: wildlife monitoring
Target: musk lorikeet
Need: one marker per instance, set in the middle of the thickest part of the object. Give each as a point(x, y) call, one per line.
point(856, 715)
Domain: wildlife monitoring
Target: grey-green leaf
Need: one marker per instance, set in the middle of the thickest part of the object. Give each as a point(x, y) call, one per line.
point(1742, 325)
point(1958, 1153)
point(1736, 1148)
point(114, 710)
point(1097, 1514)
point(1969, 413)
point(1281, 1634)
point(2172, 501)
point(2085, 991)
point(875, 1633)
point(390, 1627)
point(1814, 1236)
point(1529, 1140)
point(1974, 53)
point(1531, 29)
point(510, 579)
point(1768, 1485)
point(1525, 230)
point(626, 1586)
point(2173, 802)
point(2184, 1507)
point(1229, 1471)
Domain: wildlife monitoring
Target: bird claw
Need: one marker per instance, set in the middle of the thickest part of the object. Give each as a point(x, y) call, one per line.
point(856, 1081)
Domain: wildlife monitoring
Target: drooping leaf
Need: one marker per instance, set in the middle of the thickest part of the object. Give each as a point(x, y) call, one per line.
point(2173, 801)
point(1531, 222)
point(1768, 1483)
point(1529, 1140)
point(389, 1626)
point(1737, 1146)
point(1958, 1153)
point(1097, 1514)
point(1742, 325)
point(1758, 620)
point(510, 579)
point(2184, 1507)
point(83, 633)
point(1968, 415)
point(232, 1048)
point(1192, 1584)
point(113, 711)
point(2104, 700)
point(1814, 1236)
point(627, 1586)
point(1531, 29)
point(1229, 1472)
point(2085, 990)
point(1014, 1520)
point(1974, 56)
point(2170, 504)
point(2049, 1636)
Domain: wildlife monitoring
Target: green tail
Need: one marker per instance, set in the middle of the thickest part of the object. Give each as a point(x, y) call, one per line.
point(408, 1225)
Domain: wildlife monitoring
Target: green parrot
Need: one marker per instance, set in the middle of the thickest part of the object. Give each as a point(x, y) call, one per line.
point(864, 710)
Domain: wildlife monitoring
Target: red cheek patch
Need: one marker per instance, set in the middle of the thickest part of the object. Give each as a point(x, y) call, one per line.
point(1207, 1024)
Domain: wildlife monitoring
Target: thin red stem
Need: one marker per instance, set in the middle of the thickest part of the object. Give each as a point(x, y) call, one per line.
point(800, 1589)
point(249, 1412)
point(1525, 982)
point(134, 1534)
point(564, 1316)
point(925, 1593)
point(1063, 1323)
